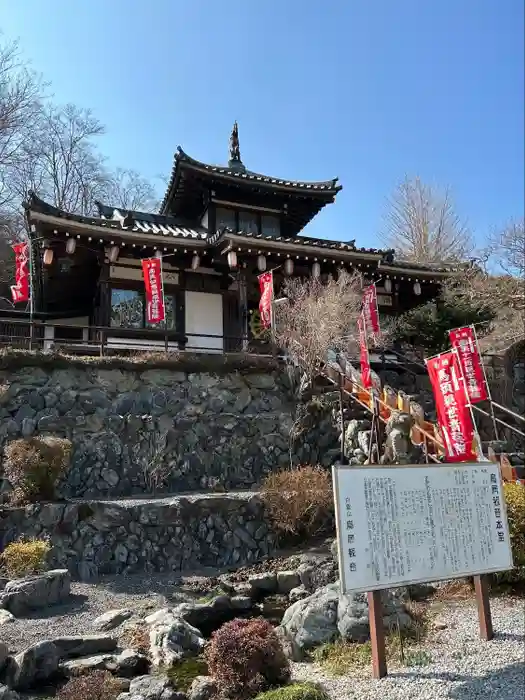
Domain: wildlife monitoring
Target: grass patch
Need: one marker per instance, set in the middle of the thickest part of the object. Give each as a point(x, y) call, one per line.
point(182, 674)
point(295, 691)
point(340, 657)
point(11, 359)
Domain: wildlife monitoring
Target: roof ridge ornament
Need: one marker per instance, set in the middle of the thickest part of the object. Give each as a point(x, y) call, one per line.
point(235, 161)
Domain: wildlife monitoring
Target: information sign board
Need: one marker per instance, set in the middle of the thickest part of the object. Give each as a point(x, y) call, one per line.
point(399, 525)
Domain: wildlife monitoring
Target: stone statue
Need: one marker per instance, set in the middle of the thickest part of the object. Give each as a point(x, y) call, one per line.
point(399, 448)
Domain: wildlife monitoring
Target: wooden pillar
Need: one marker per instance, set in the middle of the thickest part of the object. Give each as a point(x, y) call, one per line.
point(481, 586)
point(377, 634)
point(243, 308)
point(102, 313)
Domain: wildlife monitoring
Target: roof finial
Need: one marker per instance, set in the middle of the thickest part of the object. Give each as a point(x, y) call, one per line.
point(235, 153)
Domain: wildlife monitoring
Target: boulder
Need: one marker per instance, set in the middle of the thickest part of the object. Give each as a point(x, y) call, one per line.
point(6, 694)
point(286, 581)
point(150, 688)
point(36, 592)
point(298, 593)
point(203, 688)
point(326, 616)
point(264, 584)
point(32, 666)
point(111, 619)
point(6, 617)
point(127, 664)
point(172, 640)
point(88, 645)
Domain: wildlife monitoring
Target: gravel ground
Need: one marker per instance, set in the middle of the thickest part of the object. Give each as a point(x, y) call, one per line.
point(463, 667)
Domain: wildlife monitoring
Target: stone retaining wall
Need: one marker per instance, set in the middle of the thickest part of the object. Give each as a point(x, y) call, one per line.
point(173, 534)
point(160, 430)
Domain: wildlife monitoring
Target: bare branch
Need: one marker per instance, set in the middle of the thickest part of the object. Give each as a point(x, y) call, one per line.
point(126, 189)
point(316, 318)
point(422, 225)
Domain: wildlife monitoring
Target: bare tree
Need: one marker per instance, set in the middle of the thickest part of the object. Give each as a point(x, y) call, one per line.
point(60, 162)
point(507, 248)
point(315, 318)
point(126, 189)
point(20, 104)
point(422, 225)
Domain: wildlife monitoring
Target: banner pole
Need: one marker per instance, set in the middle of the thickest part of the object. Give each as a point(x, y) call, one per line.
point(469, 404)
point(493, 416)
point(31, 290)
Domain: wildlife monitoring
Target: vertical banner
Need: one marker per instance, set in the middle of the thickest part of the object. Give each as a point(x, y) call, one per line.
point(20, 290)
point(152, 270)
point(464, 341)
point(366, 375)
point(453, 412)
point(265, 303)
point(370, 310)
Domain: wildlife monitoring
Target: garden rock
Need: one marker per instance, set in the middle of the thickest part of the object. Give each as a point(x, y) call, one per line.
point(36, 592)
point(327, 615)
point(286, 581)
point(173, 640)
point(111, 619)
point(264, 584)
point(298, 593)
point(6, 694)
point(129, 664)
point(6, 617)
point(150, 688)
point(88, 645)
point(203, 688)
point(87, 664)
point(32, 666)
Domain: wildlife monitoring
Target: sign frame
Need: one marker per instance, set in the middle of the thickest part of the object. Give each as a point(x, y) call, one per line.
point(336, 469)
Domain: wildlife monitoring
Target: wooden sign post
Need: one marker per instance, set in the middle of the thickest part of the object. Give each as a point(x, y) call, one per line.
point(403, 525)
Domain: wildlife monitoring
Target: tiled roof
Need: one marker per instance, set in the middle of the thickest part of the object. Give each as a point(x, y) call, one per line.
point(136, 222)
point(296, 240)
point(329, 187)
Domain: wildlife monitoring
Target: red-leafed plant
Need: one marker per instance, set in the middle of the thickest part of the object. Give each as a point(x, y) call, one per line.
point(245, 657)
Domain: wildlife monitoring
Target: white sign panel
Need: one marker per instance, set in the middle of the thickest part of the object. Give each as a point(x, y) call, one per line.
point(410, 524)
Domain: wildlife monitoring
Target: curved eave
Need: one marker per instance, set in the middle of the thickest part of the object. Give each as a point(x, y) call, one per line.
point(422, 273)
point(326, 189)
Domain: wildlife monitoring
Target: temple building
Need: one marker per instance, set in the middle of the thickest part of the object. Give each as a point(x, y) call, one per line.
point(218, 228)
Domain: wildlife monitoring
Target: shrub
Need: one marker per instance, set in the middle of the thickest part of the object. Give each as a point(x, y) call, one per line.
point(34, 466)
point(515, 500)
point(295, 691)
point(97, 685)
point(246, 657)
point(299, 501)
point(25, 557)
point(184, 672)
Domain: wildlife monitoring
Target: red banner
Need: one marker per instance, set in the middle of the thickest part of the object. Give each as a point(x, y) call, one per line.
point(463, 340)
point(20, 290)
point(452, 408)
point(366, 374)
point(265, 303)
point(370, 309)
point(152, 270)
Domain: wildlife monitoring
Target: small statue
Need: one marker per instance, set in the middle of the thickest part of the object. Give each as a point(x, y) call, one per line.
point(398, 445)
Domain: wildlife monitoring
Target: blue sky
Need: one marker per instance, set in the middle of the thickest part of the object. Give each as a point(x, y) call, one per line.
point(367, 90)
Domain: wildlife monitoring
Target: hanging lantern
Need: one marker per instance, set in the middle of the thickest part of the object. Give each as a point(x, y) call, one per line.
point(48, 256)
point(417, 288)
point(388, 285)
point(261, 263)
point(71, 246)
point(288, 267)
point(232, 259)
point(316, 270)
point(195, 262)
point(158, 254)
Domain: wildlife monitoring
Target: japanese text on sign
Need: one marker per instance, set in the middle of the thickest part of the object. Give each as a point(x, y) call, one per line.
point(463, 340)
point(402, 525)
